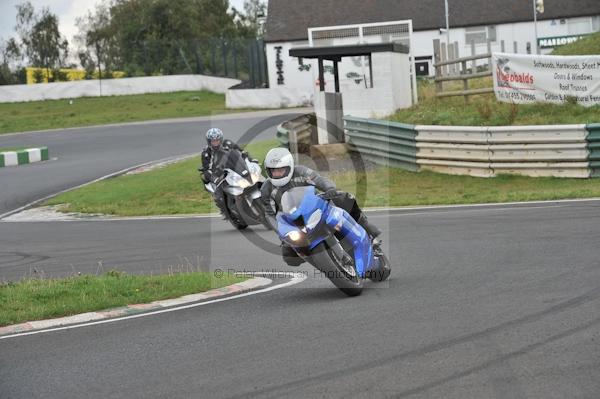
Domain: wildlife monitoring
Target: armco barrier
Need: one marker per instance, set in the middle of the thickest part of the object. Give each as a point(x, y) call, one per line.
point(383, 142)
point(593, 140)
point(454, 150)
point(560, 151)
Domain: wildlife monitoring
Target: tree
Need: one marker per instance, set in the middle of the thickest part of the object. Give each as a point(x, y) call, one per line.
point(10, 54)
point(44, 45)
point(97, 39)
point(167, 36)
point(251, 21)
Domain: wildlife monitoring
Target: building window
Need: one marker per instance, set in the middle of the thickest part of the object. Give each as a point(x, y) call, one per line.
point(579, 26)
point(491, 33)
point(480, 34)
point(596, 23)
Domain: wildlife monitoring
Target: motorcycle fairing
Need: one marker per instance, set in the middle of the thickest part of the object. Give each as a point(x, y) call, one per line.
point(299, 204)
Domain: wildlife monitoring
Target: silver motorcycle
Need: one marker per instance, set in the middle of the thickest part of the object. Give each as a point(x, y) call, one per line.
point(241, 180)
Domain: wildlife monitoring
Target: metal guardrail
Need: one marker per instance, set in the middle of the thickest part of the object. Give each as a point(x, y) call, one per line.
point(560, 151)
point(593, 140)
point(383, 142)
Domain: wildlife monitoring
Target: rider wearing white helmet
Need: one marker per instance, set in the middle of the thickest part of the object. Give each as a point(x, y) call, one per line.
point(284, 174)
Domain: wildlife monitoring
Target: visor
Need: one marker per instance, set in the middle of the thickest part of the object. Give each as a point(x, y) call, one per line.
point(278, 173)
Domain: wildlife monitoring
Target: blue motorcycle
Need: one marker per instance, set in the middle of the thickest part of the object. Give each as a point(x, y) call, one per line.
point(329, 238)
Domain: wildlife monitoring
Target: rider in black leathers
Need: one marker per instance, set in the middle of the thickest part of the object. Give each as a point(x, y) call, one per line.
point(217, 147)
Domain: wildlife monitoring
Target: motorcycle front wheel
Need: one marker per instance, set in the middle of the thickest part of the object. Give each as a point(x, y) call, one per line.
point(234, 217)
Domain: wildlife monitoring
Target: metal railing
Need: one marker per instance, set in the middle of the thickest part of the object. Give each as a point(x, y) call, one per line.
point(383, 142)
point(559, 151)
point(593, 140)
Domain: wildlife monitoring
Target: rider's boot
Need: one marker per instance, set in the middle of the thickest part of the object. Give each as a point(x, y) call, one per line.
point(383, 271)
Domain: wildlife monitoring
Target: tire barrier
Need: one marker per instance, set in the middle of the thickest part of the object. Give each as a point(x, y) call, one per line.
point(296, 134)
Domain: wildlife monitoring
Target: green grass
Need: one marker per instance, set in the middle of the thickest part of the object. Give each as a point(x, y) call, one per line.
point(87, 111)
point(39, 299)
point(589, 45)
point(396, 187)
point(484, 110)
point(4, 149)
point(175, 189)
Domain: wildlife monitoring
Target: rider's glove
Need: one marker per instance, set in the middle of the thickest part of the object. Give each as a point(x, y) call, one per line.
point(206, 176)
point(329, 194)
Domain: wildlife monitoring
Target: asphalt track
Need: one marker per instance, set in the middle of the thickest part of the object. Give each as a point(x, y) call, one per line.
point(84, 154)
point(483, 302)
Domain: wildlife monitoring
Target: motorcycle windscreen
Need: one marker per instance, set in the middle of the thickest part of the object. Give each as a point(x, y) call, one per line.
point(233, 160)
point(296, 201)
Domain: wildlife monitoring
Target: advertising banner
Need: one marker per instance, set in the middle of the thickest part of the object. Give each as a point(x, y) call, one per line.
point(525, 78)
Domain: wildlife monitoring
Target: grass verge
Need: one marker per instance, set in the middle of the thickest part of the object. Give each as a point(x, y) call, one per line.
point(4, 149)
point(175, 189)
point(39, 299)
point(484, 110)
point(589, 45)
point(88, 111)
point(396, 187)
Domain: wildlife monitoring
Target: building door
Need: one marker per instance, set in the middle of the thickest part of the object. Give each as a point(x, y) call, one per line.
point(423, 65)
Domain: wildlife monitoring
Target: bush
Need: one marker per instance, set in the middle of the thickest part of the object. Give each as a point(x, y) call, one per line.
point(38, 76)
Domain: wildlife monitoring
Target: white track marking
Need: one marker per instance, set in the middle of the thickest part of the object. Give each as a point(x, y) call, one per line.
point(394, 211)
point(121, 172)
point(298, 278)
point(491, 204)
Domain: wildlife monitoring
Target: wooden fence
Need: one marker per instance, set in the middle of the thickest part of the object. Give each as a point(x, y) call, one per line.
point(449, 67)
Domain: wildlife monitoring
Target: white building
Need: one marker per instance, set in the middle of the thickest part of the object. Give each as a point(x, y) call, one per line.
point(508, 21)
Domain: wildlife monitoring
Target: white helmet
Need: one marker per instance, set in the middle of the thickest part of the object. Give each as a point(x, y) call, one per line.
point(279, 164)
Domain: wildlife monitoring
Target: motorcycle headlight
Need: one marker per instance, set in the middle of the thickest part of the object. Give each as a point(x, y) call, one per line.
point(255, 172)
point(314, 219)
point(244, 183)
point(237, 180)
point(294, 235)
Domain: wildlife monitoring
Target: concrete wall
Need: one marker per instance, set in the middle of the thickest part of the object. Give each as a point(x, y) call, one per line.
point(391, 88)
point(278, 97)
point(293, 77)
point(114, 87)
